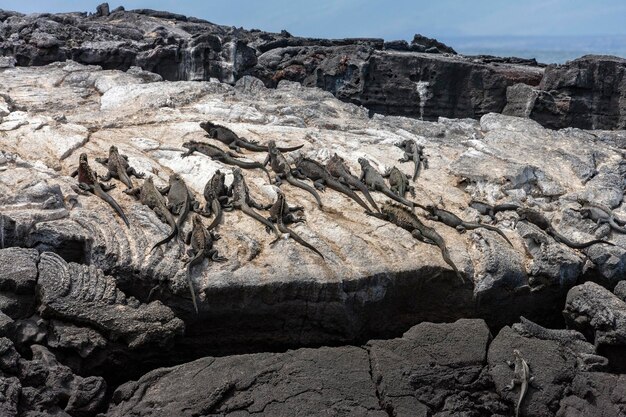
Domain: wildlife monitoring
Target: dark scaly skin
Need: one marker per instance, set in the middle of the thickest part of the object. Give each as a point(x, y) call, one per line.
point(413, 152)
point(281, 214)
point(217, 154)
point(234, 142)
point(406, 219)
point(452, 220)
point(151, 197)
point(487, 209)
point(88, 181)
point(216, 197)
point(241, 200)
point(179, 199)
point(337, 167)
point(399, 182)
point(118, 167)
point(521, 377)
point(201, 240)
point(316, 172)
point(375, 181)
point(539, 220)
point(283, 171)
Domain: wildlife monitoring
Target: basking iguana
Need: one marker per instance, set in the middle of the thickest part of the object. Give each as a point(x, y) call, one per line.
point(487, 209)
point(413, 152)
point(375, 181)
point(88, 181)
point(180, 201)
point(201, 240)
point(521, 377)
point(399, 182)
point(117, 165)
point(216, 197)
point(406, 219)
point(234, 142)
point(452, 220)
point(283, 171)
point(282, 214)
point(601, 214)
point(241, 199)
point(217, 154)
point(539, 220)
point(313, 170)
point(151, 197)
point(337, 167)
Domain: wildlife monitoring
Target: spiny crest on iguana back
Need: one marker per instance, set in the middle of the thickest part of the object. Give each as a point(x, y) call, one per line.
point(399, 214)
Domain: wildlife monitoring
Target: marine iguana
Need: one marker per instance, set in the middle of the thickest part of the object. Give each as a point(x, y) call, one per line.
point(521, 377)
point(282, 214)
point(242, 200)
point(88, 181)
point(399, 182)
point(375, 181)
point(487, 209)
point(117, 165)
point(216, 197)
point(201, 240)
point(308, 168)
point(406, 219)
point(217, 154)
point(151, 197)
point(539, 220)
point(234, 142)
point(601, 214)
point(180, 201)
point(283, 171)
point(337, 167)
point(452, 220)
point(413, 152)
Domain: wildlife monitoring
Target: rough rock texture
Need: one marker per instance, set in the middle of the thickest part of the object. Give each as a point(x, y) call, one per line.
point(432, 370)
point(368, 282)
point(42, 386)
point(601, 316)
point(424, 79)
point(75, 280)
point(588, 93)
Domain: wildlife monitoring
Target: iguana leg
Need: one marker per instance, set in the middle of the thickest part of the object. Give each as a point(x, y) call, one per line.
point(461, 229)
point(511, 385)
point(290, 218)
point(215, 236)
point(106, 177)
point(405, 158)
point(132, 191)
point(319, 185)
point(107, 187)
point(296, 208)
point(278, 181)
point(258, 206)
point(103, 161)
point(131, 171)
point(215, 256)
point(186, 154)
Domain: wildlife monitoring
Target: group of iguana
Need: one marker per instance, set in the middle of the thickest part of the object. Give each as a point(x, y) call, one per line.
point(176, 199)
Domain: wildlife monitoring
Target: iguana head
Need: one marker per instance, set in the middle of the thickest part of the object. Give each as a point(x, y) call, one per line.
point(237, 174)
point(207, 126)
point(113, 149)
point(197, 222)
point(517, 353)
point(271, 147)
point(189, 144)
point(82, 159)
point(364, 162)
point(175, 178)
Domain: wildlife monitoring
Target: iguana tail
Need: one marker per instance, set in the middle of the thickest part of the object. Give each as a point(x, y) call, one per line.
point(290, 148)
point(248, 165)
point(183, 215)
point(263, 148)
point(247, 210)
point(399, 199)
point(363, 188)
point(416, 171)
point(560, 238)
point(190, 264)
point(616, 226)
point(337, 186)
point(169, 237)
point(298, 239)
point(291, 180)
point(103, 195)
point(217, 209)
point(488, 227)
point(446, 257)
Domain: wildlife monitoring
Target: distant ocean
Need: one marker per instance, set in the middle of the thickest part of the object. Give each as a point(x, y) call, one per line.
point(545, 49)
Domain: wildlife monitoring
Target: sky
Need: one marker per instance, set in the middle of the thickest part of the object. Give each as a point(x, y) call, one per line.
point(386, 19)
